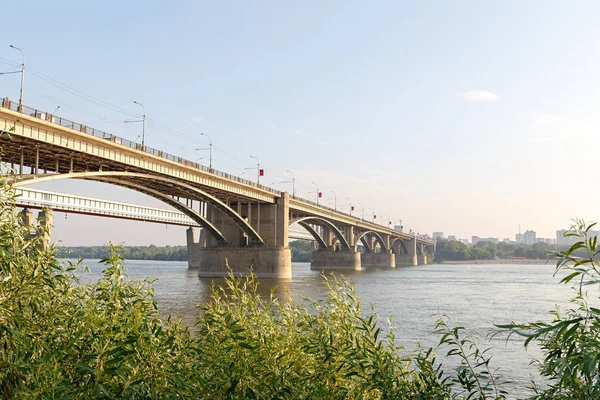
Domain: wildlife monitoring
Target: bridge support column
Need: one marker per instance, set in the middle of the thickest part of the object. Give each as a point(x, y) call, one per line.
point(273, 259)
point(45, 226)
point(385, 259)
point(327, 259)
point(422, 259)
point(27, 216)
point(265, 262)
point(409, 259)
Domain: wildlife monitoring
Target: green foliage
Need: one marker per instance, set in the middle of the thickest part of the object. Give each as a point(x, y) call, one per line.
point(302, 250)
point(60, 338)
point(453, 250)
point(251, 347)
point(473, 373)
point(571, 341)
point(166, 253)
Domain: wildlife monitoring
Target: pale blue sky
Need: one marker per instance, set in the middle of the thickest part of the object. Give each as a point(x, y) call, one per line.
point(466, 117)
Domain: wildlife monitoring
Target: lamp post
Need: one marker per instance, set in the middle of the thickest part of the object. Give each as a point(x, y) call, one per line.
point(209, 149)
point(318, 193)
point(55, 110)
point(363, 210)
point(22, 76)
point(143, 121)
point(257, 169)
point(334, 200)
point(293, 183)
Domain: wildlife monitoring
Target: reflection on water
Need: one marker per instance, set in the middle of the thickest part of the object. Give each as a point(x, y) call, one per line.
point(474, 296)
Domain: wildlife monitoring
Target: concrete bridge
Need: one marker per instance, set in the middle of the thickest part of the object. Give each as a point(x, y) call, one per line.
point(243, 222)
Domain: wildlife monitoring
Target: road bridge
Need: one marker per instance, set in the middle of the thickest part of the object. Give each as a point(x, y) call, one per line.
point(243, 222)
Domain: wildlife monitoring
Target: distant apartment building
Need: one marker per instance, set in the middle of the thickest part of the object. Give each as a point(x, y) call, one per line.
point(437, 235)
point(570, 240)
point(477, 239)
point(529, 237)
point(399, 228)
point(464, 241)
point(451, 237)
point(545, 240)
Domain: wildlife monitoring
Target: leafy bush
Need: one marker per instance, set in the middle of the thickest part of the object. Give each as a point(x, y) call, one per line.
point(63, 339)
point(571, 341)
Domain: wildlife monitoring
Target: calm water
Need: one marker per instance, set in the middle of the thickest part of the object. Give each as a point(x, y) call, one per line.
point(474, 296)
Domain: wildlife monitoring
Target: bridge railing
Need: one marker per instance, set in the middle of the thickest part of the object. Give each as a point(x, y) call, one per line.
point(14, 106)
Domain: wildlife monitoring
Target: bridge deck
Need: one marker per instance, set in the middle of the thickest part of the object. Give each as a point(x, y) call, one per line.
point(57, 146)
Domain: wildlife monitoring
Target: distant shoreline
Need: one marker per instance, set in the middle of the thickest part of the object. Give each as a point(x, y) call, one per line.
point(519, 261)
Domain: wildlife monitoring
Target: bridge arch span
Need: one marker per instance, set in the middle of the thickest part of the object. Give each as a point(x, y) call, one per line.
point(135, 181)
point(314, 234)
point(377, 236)
point(402, 244)
point(322, 221)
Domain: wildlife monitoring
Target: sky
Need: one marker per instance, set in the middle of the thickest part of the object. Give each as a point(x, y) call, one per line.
point(466, 117)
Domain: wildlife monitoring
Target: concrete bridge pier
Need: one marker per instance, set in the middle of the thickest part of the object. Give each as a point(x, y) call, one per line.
point(327, 259)
point(44, 225)
point(212, 262)
point(410, 259)
point(421, 259)
point(271, 259)
point(383, 259)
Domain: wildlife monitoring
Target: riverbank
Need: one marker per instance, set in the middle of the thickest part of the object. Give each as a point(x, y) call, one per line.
point(513, 261)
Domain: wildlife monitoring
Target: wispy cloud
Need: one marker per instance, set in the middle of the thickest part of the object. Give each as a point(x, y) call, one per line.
point(478, 96)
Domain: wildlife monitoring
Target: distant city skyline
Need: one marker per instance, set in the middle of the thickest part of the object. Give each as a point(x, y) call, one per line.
point(449, 116)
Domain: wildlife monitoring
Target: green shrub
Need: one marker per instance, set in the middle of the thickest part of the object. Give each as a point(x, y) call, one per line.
point(571, 341)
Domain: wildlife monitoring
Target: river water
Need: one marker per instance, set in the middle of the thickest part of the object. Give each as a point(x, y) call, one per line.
point(473, 296)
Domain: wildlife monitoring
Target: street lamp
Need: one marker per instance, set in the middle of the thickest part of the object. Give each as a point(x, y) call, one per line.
point(334, 200)
point(363, 210)
point(55, 110)
point(143, 121)
point(22, 77)
point(293, 183)
point(209, 149)
point(318, 193)
point(258, 170)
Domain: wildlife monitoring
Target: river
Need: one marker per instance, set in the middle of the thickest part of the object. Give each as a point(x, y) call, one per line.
point(474, 296)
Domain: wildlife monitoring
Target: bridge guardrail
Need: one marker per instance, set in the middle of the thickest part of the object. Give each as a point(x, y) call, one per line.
point(13, 106)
